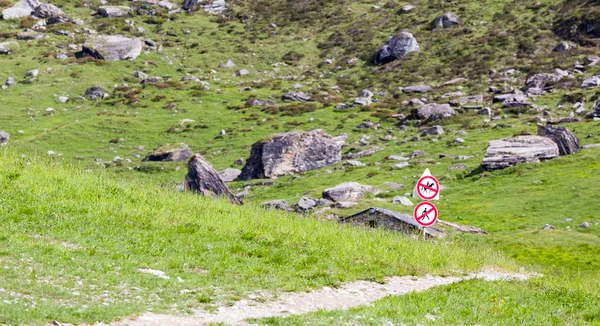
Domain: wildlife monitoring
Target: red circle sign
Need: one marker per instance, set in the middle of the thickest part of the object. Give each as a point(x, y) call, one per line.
point(428, 187)
point(426, 214)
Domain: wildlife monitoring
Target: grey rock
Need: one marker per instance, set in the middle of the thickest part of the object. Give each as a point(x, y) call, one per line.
point(592, 81)
point(47, 10)
point(154, 79)
point(347, 191)
point(433, 111)
point(239, 161)
point(400, 165)
point(23, 8)
point(457, 167)
point(140, 75)
point(32, 73)
point(367, 125)
point(478, 99)
point(394, 185)
point(115, 47)
point(416, 89)
point(345, 204)
point(228, 64)
point(523, 149)
point(567, 142)
point(229, 174)
point(170, 153)
point(485, 111)
point(454, 81)
point(548, 227)
point(596, 110)
point(242, 72)
point(203, 179)
point(397, 158)
point(417, 153)
point(295, 96)
point(396, 47)
point(433, 131)
point(402, 200)
point(113, 11)
point(305, 204)
point(257, 102)
point(276, 204)
point(563, 46)
point(354, 163)
point(95, 93)
point(324, 202)
point(364, 101)
point(4, 137)
point(447, 20)
point(585, 225)
point(9, 81)
point(30, 35)
point(363, 153)
point(292, 152)
point(406, 8)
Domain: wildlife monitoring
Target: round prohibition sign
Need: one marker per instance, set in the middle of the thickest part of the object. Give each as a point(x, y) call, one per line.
point(426, 214)
point(428, 187)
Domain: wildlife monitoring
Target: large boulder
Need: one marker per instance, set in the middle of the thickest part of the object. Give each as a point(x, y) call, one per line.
point(23, 8)
point(229, 174)
point(170, 153)
point(416, 89)
point(203, 179)
point(113, 11)
point(538, 82)
point(4, 137)
point(507, 152)
point(47, 10)
point(433, 111)
point(446, 20)
point(396, 47)
point(291, 152)
point(116, 47)
point(567, 142)
point(347, 191)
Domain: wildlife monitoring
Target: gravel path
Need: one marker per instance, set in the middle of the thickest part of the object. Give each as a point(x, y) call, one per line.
point(350, 295)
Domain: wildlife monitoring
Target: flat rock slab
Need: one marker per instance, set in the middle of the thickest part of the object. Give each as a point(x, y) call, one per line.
point(22, 8)
point(116, 47)
point(507, 152)
point(350, 295)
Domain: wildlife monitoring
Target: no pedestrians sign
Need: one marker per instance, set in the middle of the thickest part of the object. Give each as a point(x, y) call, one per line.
point(426, 214)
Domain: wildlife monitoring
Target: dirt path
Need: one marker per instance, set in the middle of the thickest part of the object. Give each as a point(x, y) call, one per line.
point(350, 295)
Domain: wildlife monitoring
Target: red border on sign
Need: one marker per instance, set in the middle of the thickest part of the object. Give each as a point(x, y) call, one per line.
point(419, 218)
point(419, 185)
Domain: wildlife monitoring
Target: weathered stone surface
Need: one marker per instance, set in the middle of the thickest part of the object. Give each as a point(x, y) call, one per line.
point(215, 7)
point(538, 82)
point(203, 179)
point(395, 48)
point(113, 11)
point(433, 112)
point(446, 20)
point(596, 109)
point(523, 149)
point(229, 174)
point(563, 46)
point(347, 192)
point(4, 137)
point(47, 10)
point(295, 96)
point(23, 8)
point(416, 89)
point(170, 153)
point(478, 99)
point(366, 152)
point(89, 53)
point(592, 81)
point(433, 131)
point(305, 204)
point(291, 153)
point(95, 93)
point(257, 102)
point(567, 142)
point(276, 204)
point(116, 47)
point(402, 200)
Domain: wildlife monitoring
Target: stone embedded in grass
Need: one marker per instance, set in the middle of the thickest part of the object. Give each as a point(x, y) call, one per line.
point(397, 47)
point(507, 152)
point(295, 96)
point(354, 163)
point(140, 75)
point(154, 272)
point(95, 93)
point(447, 20)
point(432, 112)
point(202, 178)
point(363, 153)
point(563, 46)
point(402, 200)
point(47, 10)
point(23, 8)
point(276, 204)
point(170, 153)
point(433, 131)
point(348, 191)
point(115, 47)
point(584, 225)
point(289, 153)
point(305, 204)
point(416, 89)
point(114, 11)
point(228, 64)
point(400, 165)
point(4, 137)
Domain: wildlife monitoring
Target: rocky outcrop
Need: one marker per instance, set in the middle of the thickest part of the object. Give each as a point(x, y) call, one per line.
point(567, 142)
point(523, 149)
point(229, 174)
point(116, 47)
point(447, 20)
point(433, 111)
point(292, 152)
point(113, 11)
point(348, 191)
point(170, 153)
point(203, 179)
point(47, 10)
point(4, 137)
point(396, 47)
point(23, 8)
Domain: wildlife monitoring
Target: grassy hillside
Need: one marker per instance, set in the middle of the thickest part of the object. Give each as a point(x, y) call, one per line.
point(73, 244)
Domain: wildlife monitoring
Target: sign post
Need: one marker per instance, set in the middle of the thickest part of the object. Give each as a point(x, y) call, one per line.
point(427, 188)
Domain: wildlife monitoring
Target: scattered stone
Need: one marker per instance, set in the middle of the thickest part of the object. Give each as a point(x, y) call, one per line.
point(95, 93)
point(295, 96)
point(395, 48)
point(305, 204)
point(416, 89)
point(63, 99)
point(363, 153)
point(592, 81)
point(203, 179)
point(345, 204)
point(458, 141)
point(402, 200)
point(170, 153)
point(400, 165)
point(154, 272)
point(394, 185)
point(9, 81)
point(432, 112)
point(447, 20)
point(4, 137)
point(433, 131)
point(548, 227)
point(23, 8)
point(406, 8)
point(485, 111)
point(354, 163)
point(563, 46)
point(229, 174)
point(585, 225)
point(347, 191)
point(567, 142)
point(113, 11)
point(257, 102)
point(140, 75)
point(228, 64)
point(47, 10)
point(115, 47)
point(276, 204)
point(368, 125)
point(291, 152)
point(523, 149)
point(240, 73)
point(457, 167)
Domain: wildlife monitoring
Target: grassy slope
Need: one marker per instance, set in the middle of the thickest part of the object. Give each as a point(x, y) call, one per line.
point(72, 244)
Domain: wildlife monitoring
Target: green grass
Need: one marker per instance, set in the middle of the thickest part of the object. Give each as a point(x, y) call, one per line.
point(72, 244)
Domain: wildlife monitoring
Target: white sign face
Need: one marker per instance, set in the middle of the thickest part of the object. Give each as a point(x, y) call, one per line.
point(426, 214)
point(427, 188)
